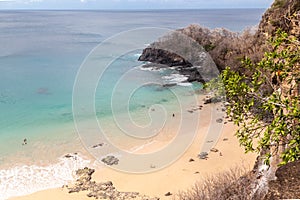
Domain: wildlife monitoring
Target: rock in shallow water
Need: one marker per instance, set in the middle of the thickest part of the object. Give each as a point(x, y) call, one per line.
point(110, 160)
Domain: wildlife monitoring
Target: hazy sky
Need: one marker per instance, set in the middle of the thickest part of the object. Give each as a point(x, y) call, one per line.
point(131, 4)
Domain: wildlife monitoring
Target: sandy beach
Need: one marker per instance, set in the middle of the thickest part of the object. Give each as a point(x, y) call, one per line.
point(180, 175)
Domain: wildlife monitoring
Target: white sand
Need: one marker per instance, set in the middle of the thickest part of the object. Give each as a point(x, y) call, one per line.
point(178, 176)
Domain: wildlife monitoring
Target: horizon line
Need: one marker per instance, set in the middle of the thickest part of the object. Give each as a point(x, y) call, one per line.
point(122, 9)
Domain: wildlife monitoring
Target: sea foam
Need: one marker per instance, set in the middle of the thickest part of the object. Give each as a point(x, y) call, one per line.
point(175, 78)
point(24, 180)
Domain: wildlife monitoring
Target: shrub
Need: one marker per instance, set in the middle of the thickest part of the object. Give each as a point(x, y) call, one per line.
point(232, 184)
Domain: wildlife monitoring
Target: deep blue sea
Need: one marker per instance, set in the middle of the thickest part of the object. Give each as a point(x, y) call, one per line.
point(40, 55)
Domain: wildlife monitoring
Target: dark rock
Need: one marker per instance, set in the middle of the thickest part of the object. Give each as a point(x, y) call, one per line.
point(68, 156)
point(225, 139)
point(203, 155)
point(163, 57)
point(85, 172)
point(212, 100)
point(169, 85)
point(73, 190)
point(219, 120)
point(97, 145)
point(168, 194)
point(108, 183)
point(91, 194)
point(110, 160)
point(207, 101)
point(214, 150)
point(191, 160)
point(152, 166)
point(155, 53)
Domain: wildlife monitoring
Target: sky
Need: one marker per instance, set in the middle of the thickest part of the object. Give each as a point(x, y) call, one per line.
point(132, 4)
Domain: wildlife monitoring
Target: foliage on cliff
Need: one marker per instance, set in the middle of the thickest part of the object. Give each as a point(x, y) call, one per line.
point(225, 47)
point(268, 121)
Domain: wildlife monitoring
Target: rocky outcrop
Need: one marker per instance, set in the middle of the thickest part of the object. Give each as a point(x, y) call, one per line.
point(103, 190)
point(184, 54)
point(287, 184)
point(227, 48)
point(282, 14)
point(196, 66)
point(163, 57)
point(167, 59)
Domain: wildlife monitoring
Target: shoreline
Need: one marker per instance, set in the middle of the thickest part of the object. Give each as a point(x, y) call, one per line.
point(181, 175)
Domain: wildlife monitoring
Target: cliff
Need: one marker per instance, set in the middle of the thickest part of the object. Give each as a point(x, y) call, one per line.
point(287, 184)
point(227, 48)
point(283, 14)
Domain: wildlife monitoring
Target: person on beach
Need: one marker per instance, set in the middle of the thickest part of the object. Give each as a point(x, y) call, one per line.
point(173, 115)
point(24, 142)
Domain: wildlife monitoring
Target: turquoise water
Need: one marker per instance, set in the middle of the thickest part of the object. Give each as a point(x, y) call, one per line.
point(40, 55)
point(41, 52)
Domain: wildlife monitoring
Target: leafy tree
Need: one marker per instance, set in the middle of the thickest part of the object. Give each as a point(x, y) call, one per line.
point(266, 105)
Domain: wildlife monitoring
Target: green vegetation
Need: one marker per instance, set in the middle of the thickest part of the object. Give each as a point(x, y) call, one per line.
point(279, 3)
point(266, 105)
point(209, 47)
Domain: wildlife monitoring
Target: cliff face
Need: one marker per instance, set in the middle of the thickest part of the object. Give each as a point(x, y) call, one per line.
point(283, 14)
point(221, 45)
point(228, 48)
point(287, 184)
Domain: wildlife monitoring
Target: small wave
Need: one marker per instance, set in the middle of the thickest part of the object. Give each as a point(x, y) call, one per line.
point(186, 84)
point(140, 147)
point(24, 180)
point(137, 55)
point(151, 69)
point(175, 78)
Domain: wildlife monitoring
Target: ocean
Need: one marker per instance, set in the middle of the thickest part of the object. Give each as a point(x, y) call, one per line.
point(41, 53)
